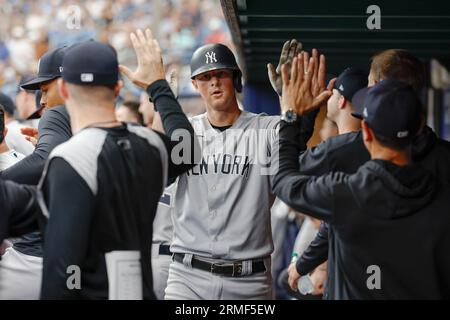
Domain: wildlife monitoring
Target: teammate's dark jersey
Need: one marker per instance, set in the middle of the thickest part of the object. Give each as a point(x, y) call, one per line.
point(347, 153)
point(101, 189)
point(384, 217)
point(19, 211)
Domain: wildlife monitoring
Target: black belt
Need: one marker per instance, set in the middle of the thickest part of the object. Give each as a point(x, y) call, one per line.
point(164, 250)
point(224, 269)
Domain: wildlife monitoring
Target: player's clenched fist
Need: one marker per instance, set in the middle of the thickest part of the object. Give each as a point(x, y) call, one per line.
point(150, 66)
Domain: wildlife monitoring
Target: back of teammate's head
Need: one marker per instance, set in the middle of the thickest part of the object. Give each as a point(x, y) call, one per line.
point(92, 71)
point(392, 109)
point(398, 64)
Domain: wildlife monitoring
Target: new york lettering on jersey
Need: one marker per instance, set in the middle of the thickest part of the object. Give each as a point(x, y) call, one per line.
point(235, 151)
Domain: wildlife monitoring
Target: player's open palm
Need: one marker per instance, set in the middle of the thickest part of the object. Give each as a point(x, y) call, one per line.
point(298, 91)
point(150, 66)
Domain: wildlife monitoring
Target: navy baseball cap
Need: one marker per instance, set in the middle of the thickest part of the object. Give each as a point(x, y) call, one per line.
point(7, 103)
point(91, 63)
point(391, 108)
point(350, 81)
point(50, 67)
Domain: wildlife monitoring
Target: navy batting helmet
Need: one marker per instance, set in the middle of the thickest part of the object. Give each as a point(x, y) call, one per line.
point(215, 56)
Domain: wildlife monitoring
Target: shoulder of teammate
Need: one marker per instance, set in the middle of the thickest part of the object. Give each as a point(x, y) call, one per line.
point(81, 153)
point(57, 112)
point(55, 119)
point(337, 142)
point(316, 160)
point(166, 146)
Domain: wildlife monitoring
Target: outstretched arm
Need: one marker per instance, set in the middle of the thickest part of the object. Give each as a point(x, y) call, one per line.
point(310, 195)
point(54, 129)
point(150, 76)
point(316, 253)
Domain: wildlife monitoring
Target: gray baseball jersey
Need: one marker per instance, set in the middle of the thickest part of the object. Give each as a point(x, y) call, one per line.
point(222, 205)
point(162, 224)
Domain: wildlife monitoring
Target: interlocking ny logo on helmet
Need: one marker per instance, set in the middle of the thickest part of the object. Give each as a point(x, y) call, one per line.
point(214, 56)
point(210, 57)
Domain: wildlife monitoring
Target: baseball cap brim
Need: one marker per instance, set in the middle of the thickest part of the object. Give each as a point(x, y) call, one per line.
point(36, 114)
point(212, 68)
point(34, 83)
point(358, 102)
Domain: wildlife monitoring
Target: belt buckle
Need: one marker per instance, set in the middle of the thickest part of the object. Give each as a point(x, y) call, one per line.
point(237, 269)
point(212, 267)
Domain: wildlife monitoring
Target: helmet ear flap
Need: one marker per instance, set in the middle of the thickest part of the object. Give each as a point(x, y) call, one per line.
point(237, 81)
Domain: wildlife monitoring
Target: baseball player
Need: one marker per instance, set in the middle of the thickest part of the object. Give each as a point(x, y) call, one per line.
point(21, 267)
point(116, 182)
point(222, 238)
point(346, 153)
point(377, 212)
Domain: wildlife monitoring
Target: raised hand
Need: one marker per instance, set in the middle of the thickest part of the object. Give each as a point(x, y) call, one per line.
point(289, 51)
point(150, 65)
point(298, 91)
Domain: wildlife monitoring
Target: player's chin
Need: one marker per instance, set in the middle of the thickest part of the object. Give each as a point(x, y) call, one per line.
point(218, 102)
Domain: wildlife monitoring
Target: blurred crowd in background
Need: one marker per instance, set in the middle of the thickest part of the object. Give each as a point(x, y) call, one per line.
point(30, 28)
